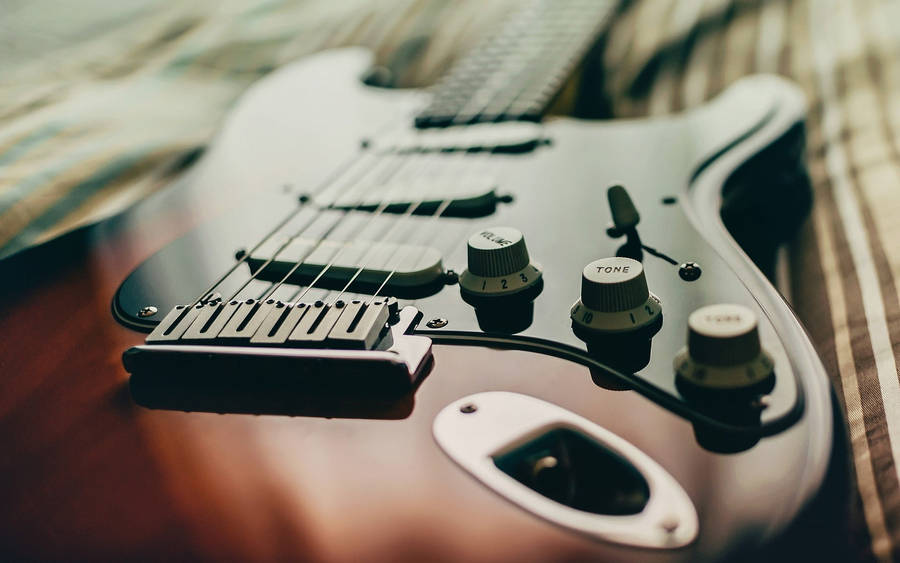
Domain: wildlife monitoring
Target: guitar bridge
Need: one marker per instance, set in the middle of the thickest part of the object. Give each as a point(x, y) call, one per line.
point(279, 358)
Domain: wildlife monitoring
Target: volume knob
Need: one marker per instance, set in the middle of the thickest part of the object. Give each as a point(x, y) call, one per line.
point(615, 297)
point(723, 350)
point(498, 264)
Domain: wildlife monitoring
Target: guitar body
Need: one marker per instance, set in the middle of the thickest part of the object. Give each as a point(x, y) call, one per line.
point(90, 474)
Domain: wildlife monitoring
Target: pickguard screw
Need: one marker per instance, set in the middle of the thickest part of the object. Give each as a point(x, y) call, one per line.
point(468, 408)
point(147, 311)
point(689, 271)
point(437, 322)
point(669, 525)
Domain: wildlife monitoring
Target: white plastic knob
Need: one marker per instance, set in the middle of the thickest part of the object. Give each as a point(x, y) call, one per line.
point(615, 297)
point(723, 350)
point(498, 263)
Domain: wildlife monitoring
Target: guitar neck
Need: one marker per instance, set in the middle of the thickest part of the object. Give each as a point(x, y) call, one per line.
point(513, 75)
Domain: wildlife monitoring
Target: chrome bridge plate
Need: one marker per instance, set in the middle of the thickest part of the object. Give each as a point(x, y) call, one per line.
point(282, 379)
point(354, 325)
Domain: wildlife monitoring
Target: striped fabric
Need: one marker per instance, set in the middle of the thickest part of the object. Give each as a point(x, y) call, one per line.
point(96, 118)
point(90, 128)
point(664, 56)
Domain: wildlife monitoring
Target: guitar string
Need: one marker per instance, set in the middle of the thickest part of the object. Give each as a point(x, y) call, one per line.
point(438, 213)
point(386, 125)
point(460, 119)
point(333, 176)
point(255, 273)
point(442, 208)
point(293, 213)
point(356, 183)
point(498, 109)
point(492, 101)
point(472, 170)
point(387, 202)
point(502, 107)
point(432, 220)
point(338, 252)
point(359, 182)
point(442, 205)
point(376, 160)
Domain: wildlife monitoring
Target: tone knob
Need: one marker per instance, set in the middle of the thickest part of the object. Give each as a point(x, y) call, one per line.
point(614, 298)
point(723, 350)
point(498, 264)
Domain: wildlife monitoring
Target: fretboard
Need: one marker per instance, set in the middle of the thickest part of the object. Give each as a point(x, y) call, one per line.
point(513, 75)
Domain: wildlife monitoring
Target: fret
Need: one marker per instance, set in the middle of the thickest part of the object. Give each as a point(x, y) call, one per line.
point(514, 74)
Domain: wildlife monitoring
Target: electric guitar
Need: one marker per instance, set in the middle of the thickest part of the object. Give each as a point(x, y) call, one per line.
point(439, 326)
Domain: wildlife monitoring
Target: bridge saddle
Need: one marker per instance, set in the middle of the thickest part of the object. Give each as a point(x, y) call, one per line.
point(358, 324)
point(363, 352)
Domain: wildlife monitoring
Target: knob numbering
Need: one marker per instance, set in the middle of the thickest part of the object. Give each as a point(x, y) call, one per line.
point(724, 352)
point(498, 266)
point(615, 298)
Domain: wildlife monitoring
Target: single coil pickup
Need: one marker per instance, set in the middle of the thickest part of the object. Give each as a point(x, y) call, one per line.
point(374, 383)
point(462, 203)
point(504, 137)
point(358, 324)
point(410, 271)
